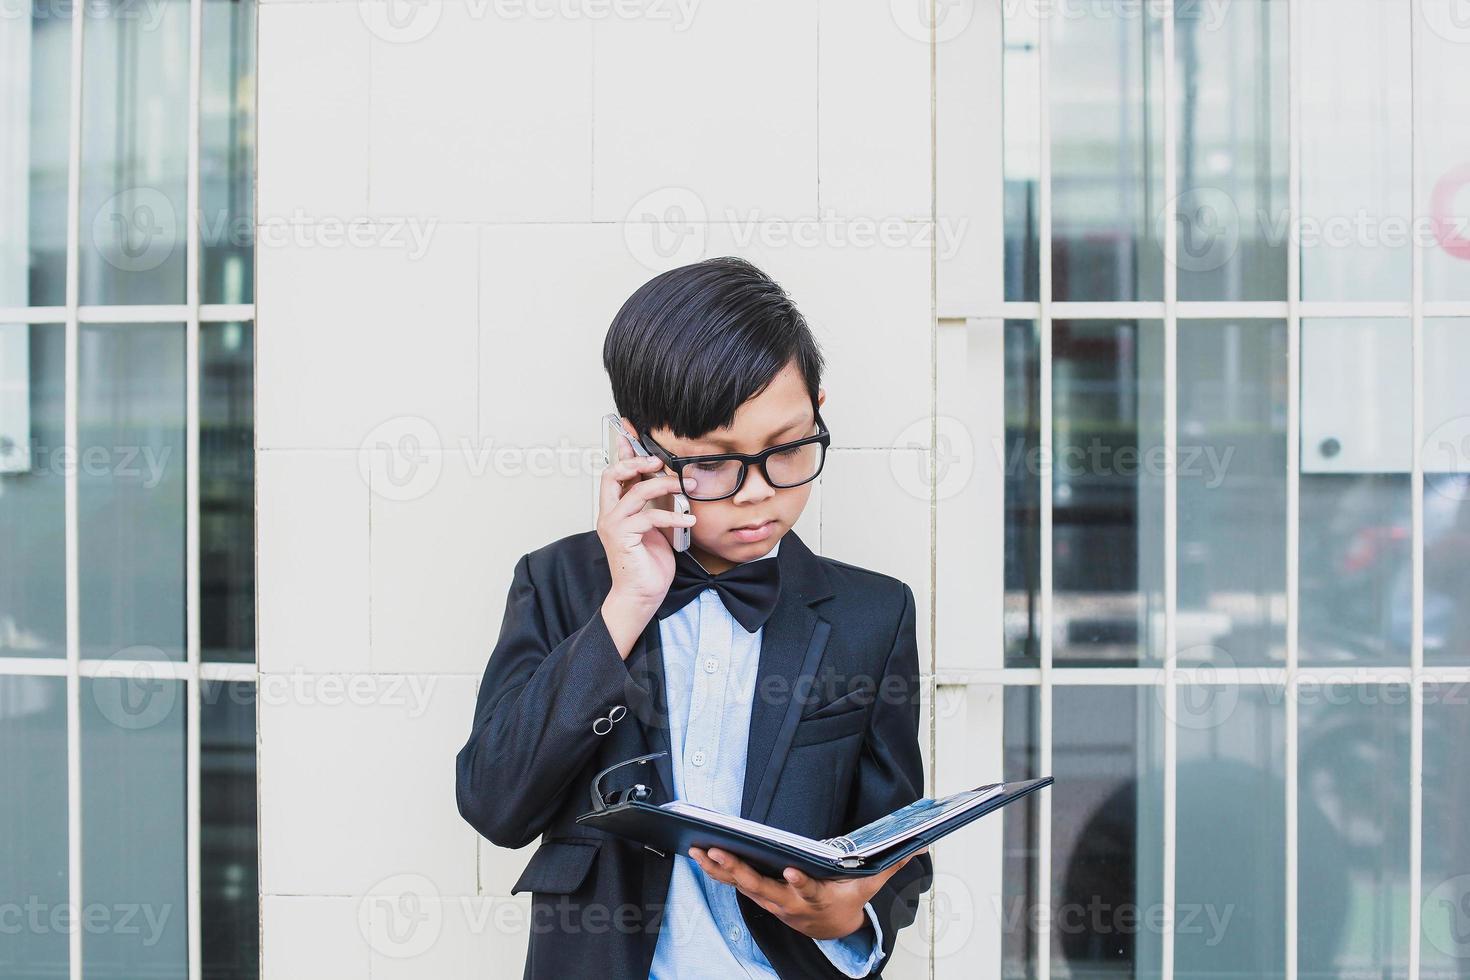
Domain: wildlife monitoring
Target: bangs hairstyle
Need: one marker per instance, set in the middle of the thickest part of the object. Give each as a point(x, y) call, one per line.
point(693, 344)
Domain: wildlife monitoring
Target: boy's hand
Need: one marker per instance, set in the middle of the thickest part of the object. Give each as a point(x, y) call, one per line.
point(819, 908)
point(639, 556)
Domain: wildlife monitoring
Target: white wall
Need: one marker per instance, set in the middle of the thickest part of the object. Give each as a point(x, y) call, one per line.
point(454, 198)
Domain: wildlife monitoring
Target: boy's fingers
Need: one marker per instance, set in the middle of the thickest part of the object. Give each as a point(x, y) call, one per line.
point(747, 879)
point(804, 884)
point(641, 493)
point(610, 488)
point(649, 519)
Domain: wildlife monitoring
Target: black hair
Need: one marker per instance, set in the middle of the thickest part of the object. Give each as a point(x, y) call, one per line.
point(691, 345)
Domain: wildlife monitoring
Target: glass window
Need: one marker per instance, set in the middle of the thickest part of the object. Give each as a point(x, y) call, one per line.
point(32, 490)
point(1108, 491)
point(1231, 202)
point(1022, 494)
point(1356, 577)
point(1106, 91)
point(1231, 832)
point(35, 84)
point(1020, 889)
point(1356, 144)
point(1353, 831)
point(1446, 456)
point(1107, 866)
point(227, 492)
point(1021, 147)
point(34, 943)
point(227, 153)
point(134, 842)
point(135, 144)
point(1444, 942)
point(229, 916)
point(1232, 492)
point(130, 490)
point(1442, 33)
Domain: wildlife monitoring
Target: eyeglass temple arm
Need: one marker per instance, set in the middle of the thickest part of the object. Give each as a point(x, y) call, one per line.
point(597, 801)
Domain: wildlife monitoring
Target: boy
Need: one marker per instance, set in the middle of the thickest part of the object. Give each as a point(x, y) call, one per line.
point(783, 686)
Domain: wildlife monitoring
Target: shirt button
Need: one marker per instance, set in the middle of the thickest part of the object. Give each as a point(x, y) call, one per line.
point(711, 665)
point(697, 758)
point(736, 934)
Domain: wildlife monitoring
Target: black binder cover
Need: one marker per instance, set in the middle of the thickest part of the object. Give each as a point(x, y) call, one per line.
point(671, 833)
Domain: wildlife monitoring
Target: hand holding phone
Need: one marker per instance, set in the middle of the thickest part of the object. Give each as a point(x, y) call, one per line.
point(632, 527)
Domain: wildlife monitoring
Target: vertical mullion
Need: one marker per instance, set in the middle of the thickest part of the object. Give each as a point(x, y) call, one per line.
point(1171, 497)
point(1416, 511)
point(1293, 468)
point(1044, 692)
point(71, 425)
point(194, 701)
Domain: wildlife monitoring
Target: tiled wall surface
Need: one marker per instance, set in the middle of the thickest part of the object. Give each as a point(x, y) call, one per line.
point(454, 198)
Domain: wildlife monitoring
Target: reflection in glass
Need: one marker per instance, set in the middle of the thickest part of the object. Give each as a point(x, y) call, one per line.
point(1107, 828)
point(32, 491)
point(135, 132)
point(1353, 836)
point(1444, 941)
point(1446, 457)
point(35, 82)
point(226, 492)
point(1356, 143)
point(1021, 147)
point(1355, 568)
point(1442, 30)
point(1232, 492)
point(1022, 494)
point(134, 846)
point(130, 490)
point(1107, 151)
point(1356, 447)
point(1231, 825)
point(1232, 155)
point(229, 901)
point(33, 841)
point(1108, 476)
point(1020, 889)
point(227, 152)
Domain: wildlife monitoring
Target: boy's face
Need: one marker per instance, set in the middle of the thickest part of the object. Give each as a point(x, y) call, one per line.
point(747, 526)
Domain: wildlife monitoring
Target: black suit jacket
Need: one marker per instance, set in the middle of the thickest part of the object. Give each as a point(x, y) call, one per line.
point(833, 744)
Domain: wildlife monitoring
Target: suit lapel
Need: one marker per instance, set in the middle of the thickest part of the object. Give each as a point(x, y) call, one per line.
point(646, 667)
point(791, 650)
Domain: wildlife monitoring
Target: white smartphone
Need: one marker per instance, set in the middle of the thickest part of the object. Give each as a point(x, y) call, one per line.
point(618, 443)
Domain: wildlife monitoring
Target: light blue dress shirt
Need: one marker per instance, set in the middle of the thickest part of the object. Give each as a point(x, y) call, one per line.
point(710, 673)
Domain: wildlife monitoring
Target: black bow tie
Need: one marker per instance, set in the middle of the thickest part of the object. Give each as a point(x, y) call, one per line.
point(749, 590)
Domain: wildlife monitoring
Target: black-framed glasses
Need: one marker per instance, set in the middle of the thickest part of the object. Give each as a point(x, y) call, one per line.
point(721, 475)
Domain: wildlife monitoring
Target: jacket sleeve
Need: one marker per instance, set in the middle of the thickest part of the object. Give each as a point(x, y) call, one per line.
point(890, 774)
point(533, 720)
